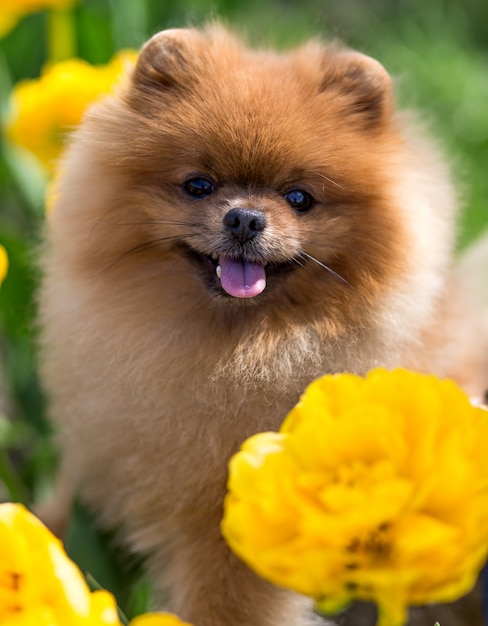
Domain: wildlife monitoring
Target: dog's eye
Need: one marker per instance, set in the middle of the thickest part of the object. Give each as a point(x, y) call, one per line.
point(299, 200)
point(199, 187)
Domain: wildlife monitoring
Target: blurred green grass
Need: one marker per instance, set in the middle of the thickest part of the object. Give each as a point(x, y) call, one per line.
point(438, 50)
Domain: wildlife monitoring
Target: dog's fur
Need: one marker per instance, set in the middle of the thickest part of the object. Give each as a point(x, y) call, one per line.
point(155, 374)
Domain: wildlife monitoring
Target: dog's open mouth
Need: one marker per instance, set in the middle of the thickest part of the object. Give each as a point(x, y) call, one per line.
point(237, 277)
point(241, 278)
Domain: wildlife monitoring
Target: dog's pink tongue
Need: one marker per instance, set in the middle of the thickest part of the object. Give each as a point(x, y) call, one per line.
point(241, 279)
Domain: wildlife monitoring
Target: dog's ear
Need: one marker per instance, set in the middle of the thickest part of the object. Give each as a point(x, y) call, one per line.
point(165, 61)
point(363, 82)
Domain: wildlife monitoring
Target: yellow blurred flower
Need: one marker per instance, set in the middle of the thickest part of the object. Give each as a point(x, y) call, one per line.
point(3, 263)
point(46, 109)
point(14, 10)
point(39, 584)
point(375, 489)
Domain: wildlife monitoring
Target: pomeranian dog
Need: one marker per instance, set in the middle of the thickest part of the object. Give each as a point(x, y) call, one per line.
point(229, 225)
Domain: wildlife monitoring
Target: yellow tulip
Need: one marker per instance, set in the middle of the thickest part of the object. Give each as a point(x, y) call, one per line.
point(47, 109)
point(39, 584)
point(374, 489)
point(157, 619)
point(14, 10)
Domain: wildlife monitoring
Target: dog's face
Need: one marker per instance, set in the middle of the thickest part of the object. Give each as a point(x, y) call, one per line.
point(264, 176)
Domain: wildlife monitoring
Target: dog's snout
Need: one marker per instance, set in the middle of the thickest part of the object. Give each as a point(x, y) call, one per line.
point(244, 224)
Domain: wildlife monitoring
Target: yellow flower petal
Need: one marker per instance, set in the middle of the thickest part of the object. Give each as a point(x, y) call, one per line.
point(3, 264)
point(39, 584)
point(103, 609)
point(14, 10)
point(376, 488)
point(47, 109)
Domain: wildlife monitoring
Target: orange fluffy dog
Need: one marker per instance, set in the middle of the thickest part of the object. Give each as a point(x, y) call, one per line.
point(230, 225)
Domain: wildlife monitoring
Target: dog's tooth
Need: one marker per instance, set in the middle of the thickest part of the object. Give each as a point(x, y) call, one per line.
point(218, 271)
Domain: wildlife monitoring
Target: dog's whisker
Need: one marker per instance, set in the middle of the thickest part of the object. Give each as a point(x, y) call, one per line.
point(144, 247)
point(296, 261)
point(148, 222)
point(340, 278)
point(332, 249)
point(329, 180)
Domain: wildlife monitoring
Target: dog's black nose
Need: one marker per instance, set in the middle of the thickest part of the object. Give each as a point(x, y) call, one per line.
point(244, 224)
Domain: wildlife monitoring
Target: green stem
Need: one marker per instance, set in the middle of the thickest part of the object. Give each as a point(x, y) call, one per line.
point(96, 586)
point(61, 35)
point(10, 479)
